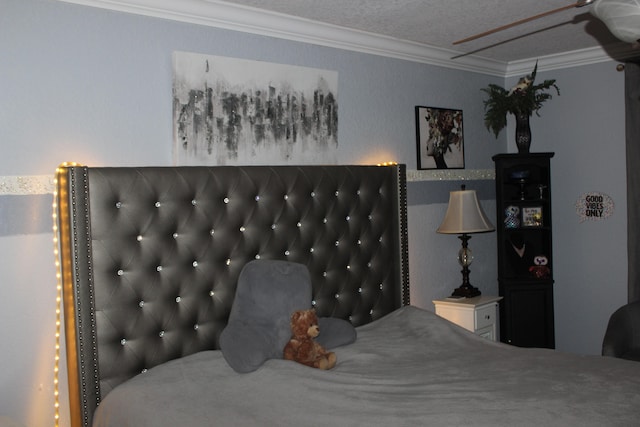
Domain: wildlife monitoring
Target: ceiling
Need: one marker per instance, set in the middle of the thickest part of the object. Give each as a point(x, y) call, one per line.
point(416, 30)
point(438, 23)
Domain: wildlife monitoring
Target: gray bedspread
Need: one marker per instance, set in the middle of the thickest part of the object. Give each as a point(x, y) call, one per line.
point(410, 368)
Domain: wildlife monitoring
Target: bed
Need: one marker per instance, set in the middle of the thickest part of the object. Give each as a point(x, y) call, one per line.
point(150, 261)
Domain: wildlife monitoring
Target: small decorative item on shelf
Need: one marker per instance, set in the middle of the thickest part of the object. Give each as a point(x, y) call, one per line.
point(521, 177)
point(540, 270)
point(512, 217)
point(541, 188)
point(532, 216)
point(522, 101)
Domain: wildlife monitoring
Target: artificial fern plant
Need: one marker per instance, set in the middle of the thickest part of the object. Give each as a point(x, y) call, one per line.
point(526, 97)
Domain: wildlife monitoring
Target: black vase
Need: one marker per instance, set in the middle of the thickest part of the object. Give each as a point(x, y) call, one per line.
point(523, 133)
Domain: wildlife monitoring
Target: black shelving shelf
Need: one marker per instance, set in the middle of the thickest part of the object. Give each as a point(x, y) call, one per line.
point(524, 237)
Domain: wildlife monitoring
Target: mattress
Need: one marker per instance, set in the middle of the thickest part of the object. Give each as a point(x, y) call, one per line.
point(408, 368)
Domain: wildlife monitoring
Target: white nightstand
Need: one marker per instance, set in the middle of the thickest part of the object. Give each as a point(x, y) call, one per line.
point(478, 314)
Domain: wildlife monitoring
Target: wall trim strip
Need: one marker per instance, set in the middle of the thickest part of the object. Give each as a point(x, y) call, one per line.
point(26, 185)
point(450, 175)
point(30, 185)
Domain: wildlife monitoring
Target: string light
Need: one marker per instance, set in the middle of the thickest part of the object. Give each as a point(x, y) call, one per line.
point(387, 164)
point(56, 252)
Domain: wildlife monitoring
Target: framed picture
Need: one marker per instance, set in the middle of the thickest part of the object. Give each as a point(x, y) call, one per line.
point(232, 111)
point(532, 216)
point(439, 137)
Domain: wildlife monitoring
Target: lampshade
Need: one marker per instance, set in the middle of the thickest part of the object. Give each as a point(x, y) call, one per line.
point(464, 214)
point(622, 17)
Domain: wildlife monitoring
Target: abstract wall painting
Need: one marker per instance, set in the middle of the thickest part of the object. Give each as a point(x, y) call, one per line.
point(229, 111)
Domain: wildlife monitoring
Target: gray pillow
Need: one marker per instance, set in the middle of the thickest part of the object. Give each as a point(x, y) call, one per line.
point(335, 332)
point(268, 292)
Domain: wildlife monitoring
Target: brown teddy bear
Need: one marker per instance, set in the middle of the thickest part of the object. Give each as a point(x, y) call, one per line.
point(301, 347)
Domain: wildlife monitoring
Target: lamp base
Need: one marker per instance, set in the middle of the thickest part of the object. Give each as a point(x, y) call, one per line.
point(466, 291)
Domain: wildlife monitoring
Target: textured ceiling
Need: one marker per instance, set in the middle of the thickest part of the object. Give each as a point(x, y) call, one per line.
point(439, 23)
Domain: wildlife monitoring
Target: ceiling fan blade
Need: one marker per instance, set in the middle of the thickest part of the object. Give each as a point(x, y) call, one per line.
point(522, 21)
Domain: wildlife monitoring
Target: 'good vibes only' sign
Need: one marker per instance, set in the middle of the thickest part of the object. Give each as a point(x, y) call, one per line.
point(594, 206)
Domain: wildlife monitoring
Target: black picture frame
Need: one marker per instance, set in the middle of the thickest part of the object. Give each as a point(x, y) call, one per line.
point(439, 138)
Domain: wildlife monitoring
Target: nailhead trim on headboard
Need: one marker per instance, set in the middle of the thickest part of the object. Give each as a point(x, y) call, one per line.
point(153, 254)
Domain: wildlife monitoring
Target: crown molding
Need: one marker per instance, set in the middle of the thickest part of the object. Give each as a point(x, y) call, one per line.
point(251, 20)
point(616, 52)
point(219, 14)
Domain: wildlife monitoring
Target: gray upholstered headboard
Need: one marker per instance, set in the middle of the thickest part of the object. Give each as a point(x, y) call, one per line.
point(150, 256)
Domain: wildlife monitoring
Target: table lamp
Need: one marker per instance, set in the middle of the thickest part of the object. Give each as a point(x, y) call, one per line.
point(465, 216)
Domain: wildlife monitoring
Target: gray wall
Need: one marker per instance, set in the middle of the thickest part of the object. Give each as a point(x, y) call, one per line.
point(584, 126)
point(94, 86)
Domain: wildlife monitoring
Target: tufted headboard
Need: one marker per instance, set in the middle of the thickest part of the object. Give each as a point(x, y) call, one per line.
point(149, 256)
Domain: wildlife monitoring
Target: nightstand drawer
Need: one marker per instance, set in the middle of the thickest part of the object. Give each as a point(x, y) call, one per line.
point(485, 316)
point(487, 333)
point(478, 315)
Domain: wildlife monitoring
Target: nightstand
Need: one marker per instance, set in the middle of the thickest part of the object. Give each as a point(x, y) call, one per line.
point(478, 315)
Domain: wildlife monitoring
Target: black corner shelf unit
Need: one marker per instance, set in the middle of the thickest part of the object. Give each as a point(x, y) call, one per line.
point(525, 260)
